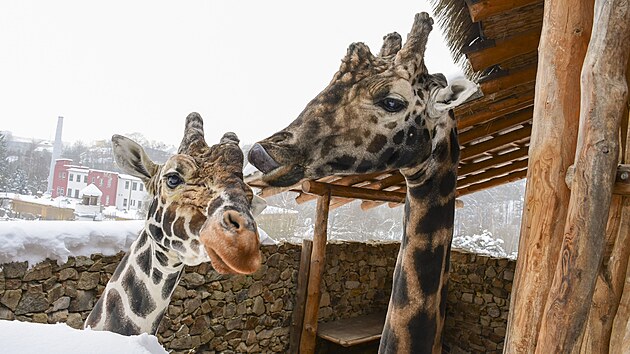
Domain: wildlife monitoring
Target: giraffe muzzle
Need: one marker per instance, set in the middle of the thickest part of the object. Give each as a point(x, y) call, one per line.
point(232, 243)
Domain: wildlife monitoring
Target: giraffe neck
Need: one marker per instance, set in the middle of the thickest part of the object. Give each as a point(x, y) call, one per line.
point(138, 293)
point(415, 316)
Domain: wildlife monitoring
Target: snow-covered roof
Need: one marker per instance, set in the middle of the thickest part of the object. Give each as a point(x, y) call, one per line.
point(273, 210)
point(78, 168)
point(91, 190)
point(63, 159)
point(59, 202)
point(130, 177)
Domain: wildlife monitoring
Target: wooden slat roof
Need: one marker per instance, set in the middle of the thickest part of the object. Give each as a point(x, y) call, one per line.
point(496, 42)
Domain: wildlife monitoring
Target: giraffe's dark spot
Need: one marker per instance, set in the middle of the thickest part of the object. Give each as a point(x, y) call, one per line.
point(156, 324)
point(451, 114)
point(167, 243)
point(422, 329)
point(142, 240)
point(328, 144)
point(144, 261)
point(420, 94)
point(156, 276)
point(342, 163)
point(194, 245)
point(398, 137)
point(169, 217)
point(437, 217)
point(443, 295)
point(116, 320)
point(440, 153)
point(119, 269)
point(140, 300)
point(377, 143)
point(429, 265)
point(454, 146)
point(156, 232)
point(97, 311)
point(179, 228)
point(433, 131)
point(364, 165)
point(161, 257)
point(423, 190)
point(391, 125)
point(389, 341)
point(447, 183)
point(169, 285)
point(407, 116)
point(312, 127)
point(384, 158)
point(153, 207)
point(214, 205)
point(196, 222)
point(373, 119)
point(419, 120)
point(425, 134)
point(158, 216)
point(400, 298)
point(178, 246)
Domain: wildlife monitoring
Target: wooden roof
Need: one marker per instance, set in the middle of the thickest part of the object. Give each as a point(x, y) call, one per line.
point(496, 43)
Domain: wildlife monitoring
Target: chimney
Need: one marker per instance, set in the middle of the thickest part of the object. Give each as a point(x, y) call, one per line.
point(56, 153)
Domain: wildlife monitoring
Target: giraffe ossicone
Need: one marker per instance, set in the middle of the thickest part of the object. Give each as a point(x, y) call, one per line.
point(201, 210)
point(381, 113)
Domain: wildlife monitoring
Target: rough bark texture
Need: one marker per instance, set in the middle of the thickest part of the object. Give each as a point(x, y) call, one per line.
point(603, 97)
point(563, 44)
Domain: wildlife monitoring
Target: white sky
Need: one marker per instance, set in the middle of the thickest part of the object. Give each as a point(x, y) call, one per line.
point(142, 66)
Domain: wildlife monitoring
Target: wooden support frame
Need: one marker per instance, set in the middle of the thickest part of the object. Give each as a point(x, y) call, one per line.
point(519, 165)
point(319, 188)
point(297, 317)
point(482, 148)
point(495, 126)
point(511, 177)
point(496, 160)
point(482, 9)
point(318, 259)
point(495, 110)
point(504, 49)
point(513, 78)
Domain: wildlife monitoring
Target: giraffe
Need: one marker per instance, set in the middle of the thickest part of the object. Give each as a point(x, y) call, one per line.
point(201, 210)
point(381, 113)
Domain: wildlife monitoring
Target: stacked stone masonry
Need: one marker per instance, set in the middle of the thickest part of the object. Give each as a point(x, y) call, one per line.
point(212, 313)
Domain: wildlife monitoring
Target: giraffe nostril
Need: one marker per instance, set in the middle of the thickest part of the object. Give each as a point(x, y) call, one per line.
point(233, 220)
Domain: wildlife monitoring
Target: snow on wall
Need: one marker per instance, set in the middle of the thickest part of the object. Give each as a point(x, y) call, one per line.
point(34, 241)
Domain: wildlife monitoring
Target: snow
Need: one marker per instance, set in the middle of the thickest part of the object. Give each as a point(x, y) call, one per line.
point(34, 241)
point(274, 210)
point(91, 190)
point(484, 244)
point(59, 202)
point(35, 338)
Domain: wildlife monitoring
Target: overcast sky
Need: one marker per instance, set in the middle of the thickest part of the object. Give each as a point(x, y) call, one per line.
point(141, 66)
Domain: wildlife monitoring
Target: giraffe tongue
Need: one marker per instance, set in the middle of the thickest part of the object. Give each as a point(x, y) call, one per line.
point(259, 157)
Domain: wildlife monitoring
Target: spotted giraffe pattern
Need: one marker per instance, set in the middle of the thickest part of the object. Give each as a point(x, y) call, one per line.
point(201, 210)
point(381, 113)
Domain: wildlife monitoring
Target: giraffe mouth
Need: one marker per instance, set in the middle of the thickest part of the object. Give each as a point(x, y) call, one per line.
point(274, 173)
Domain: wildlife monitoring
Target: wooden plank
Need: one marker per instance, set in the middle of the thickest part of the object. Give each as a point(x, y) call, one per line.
point(513, 78)
point(481, 10)
point(566, 31)
point(318, 188)
point(352, 331)
point(297, 317)
point(496, 142)
point(473, 167)
point(497, 125)
point(495, 110)
point(514, 176)
point(505, 48)
point(604, 93)
point(492, 173)
point(318, 259)
point(343, 181)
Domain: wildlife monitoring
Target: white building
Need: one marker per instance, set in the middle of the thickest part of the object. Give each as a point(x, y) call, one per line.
point(131, 193)
point(77, 180)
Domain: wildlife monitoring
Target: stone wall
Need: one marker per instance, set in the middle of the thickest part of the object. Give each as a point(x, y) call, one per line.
point(214, 313)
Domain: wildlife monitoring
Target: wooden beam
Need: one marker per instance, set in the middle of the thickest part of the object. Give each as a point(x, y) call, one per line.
point(504, 49)
point(494, 126)
point(495, 110)
point(343, 181)
point(505, 139)
point(297, 317)
point(318, 188)
point(481, 10)
point(513, 78)
point(514, 176)
point(604, 93)
point(491, 173)
point(472, 167)
point(565, 35)
point(318, 261)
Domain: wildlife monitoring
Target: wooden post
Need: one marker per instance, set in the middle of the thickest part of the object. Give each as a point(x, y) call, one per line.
point(297, 317)
point(318, 258)
point(612, 274)
point(604, 93)
point(564, 39)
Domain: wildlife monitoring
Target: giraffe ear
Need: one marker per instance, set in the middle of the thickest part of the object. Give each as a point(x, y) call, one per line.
point(130, 156)
point(258, 205)
point(453, 95)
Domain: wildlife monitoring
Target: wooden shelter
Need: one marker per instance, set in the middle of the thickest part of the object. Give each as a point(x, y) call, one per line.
point(554, 109)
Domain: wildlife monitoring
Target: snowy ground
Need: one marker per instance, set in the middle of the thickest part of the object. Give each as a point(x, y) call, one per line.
point(484, 244)
point(37, 338)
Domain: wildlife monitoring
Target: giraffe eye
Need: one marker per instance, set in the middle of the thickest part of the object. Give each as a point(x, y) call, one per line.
point(392, 105)
point(173, 180)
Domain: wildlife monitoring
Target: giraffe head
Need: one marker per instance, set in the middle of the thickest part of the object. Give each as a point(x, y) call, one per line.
point(378, 113)
point(201, 208)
